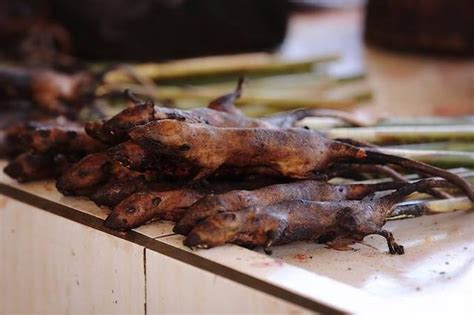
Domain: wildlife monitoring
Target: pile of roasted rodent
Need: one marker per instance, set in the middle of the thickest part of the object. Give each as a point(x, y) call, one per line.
point(221, 176)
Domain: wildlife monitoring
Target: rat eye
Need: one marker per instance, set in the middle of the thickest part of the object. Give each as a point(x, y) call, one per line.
point(229, 216)
point(156, 201)
point(184, 147)
point(131, 209)
point(71, 135)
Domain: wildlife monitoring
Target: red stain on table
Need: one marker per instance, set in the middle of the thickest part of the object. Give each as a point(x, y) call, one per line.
point(301, 257)
point(268, 263)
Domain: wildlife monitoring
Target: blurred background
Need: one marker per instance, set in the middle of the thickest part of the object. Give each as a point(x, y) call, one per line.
point(376, 58)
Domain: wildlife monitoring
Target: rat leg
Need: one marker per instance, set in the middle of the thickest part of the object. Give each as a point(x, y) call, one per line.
point(393, 247)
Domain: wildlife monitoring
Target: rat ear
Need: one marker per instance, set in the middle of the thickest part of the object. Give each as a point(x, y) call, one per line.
point(184, 147)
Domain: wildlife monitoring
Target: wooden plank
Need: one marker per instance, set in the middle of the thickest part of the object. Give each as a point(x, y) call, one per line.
point(53, 265)
point(175, 287)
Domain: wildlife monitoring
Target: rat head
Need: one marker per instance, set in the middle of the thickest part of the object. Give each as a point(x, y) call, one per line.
point(28, 166)
point(88, 172)
point(134, 210)
point(146, 205)
point(216, 230)
point(198, 212)
point(132, 155)
point(94, 130)
point(118, 126)
point(44, 139)
point(213, 203)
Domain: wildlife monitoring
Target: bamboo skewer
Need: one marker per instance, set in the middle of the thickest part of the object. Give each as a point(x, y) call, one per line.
point(418, 208)
point(277, 101)
point(444, 146)
point(435, 157)
point(220, 65)
point(427, 121)
point(385, 134)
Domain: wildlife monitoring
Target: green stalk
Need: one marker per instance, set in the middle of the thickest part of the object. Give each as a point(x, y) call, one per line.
point(445, 146)
point(271, 98)
point(435, 157)
point(427, 121)
point(319, 81)
point(417, 208)
point(243, 64)
point(405, 134)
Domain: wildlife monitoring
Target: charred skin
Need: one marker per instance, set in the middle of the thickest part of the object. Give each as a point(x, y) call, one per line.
point(266, 196)
point(13, 137)
point(33, 166)
point(94, 130)
point(87, 178)
point(115, 130)
point(116, 190)
point(298, 220)
point(11, 145)
point(176, 201)
point(120, 172)
point(63, 139)
point(134, 156)
point(137, 158)
point(285, 222)
point(294, 153)
point(251, 172)
point(357, 172)
point(82, 177)
point(144, 206)
point(290, 118)
point(51, 136)
point(221, 112)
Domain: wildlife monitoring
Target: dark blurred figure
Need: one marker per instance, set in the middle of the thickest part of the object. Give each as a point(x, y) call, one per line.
point(138, 30)
point(28, 34)
point(439, 26)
